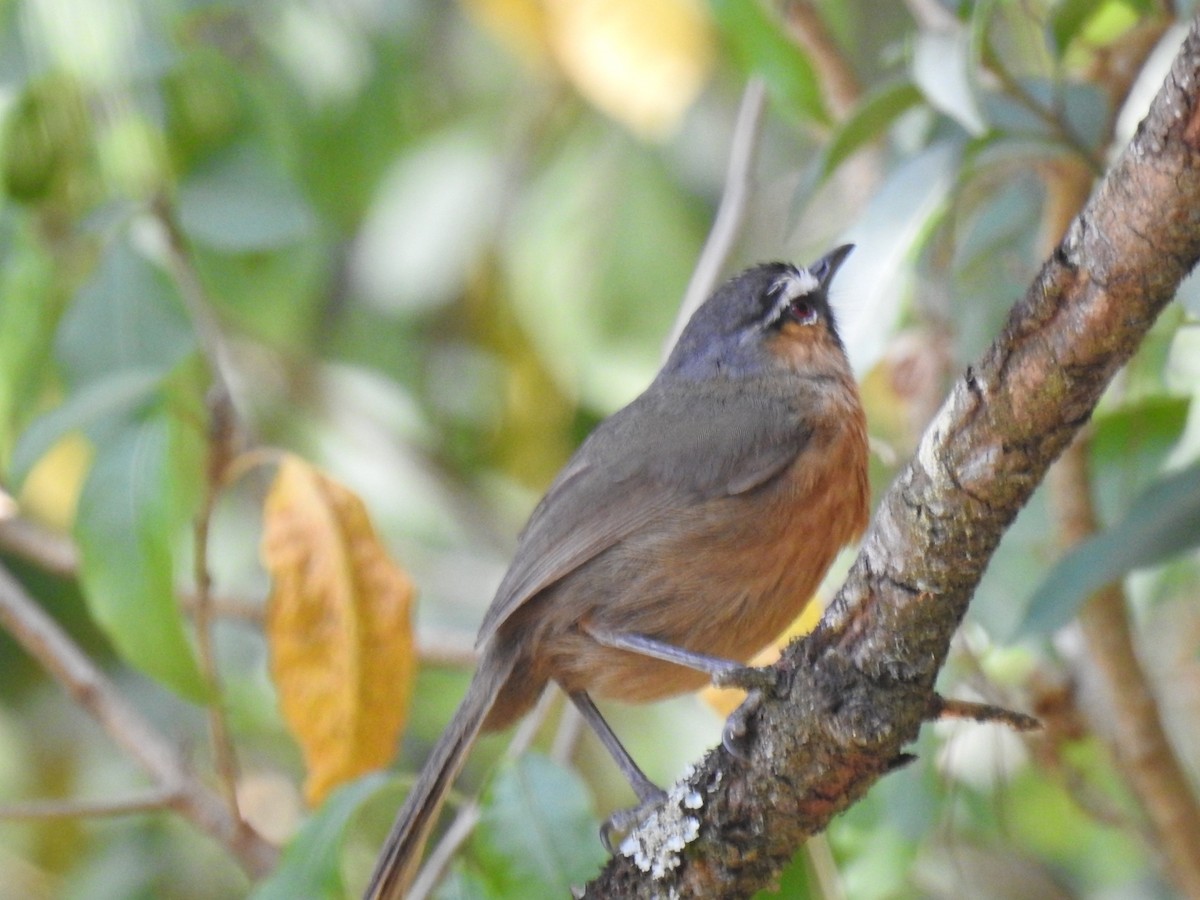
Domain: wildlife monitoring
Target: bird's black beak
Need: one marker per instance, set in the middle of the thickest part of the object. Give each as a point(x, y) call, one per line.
point(826, 267)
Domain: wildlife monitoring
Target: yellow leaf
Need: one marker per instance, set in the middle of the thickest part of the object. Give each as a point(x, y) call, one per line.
point(726, 700)
point(518, 24)
point(51, 489)
point(339, 626)
point(641, 61)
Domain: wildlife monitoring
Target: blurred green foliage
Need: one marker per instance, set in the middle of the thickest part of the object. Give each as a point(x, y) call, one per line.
point(431, 265)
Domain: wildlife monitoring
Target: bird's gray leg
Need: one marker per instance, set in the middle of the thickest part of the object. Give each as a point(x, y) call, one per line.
point(649, 794)
point(723, 672)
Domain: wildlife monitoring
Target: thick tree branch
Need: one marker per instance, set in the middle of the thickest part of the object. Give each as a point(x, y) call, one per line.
point(855, 692)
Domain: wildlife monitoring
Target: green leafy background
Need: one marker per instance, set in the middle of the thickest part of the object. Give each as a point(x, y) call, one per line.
point(435, 264)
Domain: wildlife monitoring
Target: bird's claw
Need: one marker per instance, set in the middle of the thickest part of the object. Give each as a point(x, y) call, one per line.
point(735, 737)
point(620, 823)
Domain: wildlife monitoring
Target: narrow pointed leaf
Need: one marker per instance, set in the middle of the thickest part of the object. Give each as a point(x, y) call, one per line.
point(126, 525)
point(1162, 522)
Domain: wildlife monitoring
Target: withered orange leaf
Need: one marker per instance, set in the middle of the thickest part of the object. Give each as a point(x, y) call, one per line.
point(339, 627)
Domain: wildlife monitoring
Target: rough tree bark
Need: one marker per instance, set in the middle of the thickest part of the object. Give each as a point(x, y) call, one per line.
point(854, 693)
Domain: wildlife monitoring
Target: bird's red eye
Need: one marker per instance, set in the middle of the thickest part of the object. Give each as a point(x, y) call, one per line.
point(803, 312)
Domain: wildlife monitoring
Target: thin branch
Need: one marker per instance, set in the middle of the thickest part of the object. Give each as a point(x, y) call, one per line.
point(732, 209)
point(824, 868)
point(435, 646)
point(237, 609)
point(41, 810)
point(1140, 744)
point(39, 545)
point(438, 647)
point(839, 82)
point(566, 738)
point(195, 297)
point(1055, 709)
point(1052, 119)
point(224, 466)
point(220, 454)
point(46, 642)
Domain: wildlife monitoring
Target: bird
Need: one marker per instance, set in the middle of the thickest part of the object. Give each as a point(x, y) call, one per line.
point(686, 533)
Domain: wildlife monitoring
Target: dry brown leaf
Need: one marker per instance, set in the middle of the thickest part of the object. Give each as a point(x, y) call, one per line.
point(339, 627)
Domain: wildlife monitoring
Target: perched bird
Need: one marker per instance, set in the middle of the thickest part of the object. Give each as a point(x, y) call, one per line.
point(689, 529)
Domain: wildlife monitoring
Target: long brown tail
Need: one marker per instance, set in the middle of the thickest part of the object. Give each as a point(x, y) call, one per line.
point(401, 855)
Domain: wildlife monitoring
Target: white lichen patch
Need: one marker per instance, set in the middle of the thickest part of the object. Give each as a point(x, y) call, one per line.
point(655, 843)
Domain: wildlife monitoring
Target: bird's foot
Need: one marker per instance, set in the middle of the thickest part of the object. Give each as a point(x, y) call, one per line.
point(620, 823)
point(735, 737)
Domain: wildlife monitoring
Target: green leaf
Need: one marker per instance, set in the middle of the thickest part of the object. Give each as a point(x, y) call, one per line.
point(127, 317)
point(125, 526)
point(1073, 17)
point(1129, 446)
point(894, 226)
point(869, 119)
point(124, 332)
point(1068, 20)
point(758, 41)
point(30, 307)
point(111, 397)
point(462, 883)
point(45, 136)
point(538, 835)
point(1163, 521)
point(310, 866)
point(242, 202)
point(431, 222)
point(590, 289)
point(1081, 108)
point(943, 68)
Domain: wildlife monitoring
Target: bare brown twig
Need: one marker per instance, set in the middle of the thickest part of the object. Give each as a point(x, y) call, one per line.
point(50, 551)
point(151, 801)
point(222, 435)
point(839, 82)
point(46, 642)
point(220, 452)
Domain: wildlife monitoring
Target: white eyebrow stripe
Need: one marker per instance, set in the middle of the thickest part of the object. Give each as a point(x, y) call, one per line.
point(795, 284)
point(790, 286)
